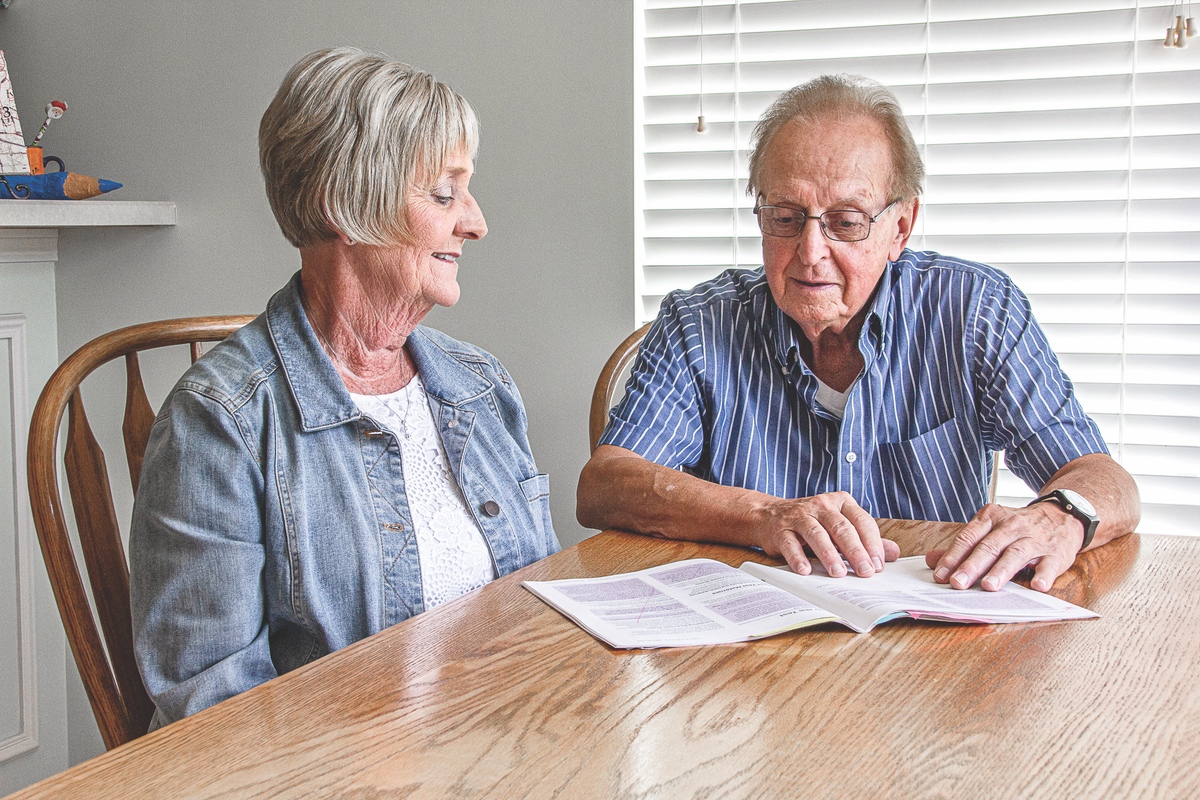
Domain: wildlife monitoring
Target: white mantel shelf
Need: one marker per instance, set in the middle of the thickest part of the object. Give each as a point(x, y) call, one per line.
point(85, 213)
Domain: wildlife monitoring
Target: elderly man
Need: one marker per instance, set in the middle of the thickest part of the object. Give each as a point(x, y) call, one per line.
point(851, 378)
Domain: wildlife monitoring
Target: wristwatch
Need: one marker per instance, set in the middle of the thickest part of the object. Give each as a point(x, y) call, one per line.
point(1078, 507)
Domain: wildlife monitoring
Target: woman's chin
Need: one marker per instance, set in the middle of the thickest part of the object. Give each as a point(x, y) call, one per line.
point(448, 296)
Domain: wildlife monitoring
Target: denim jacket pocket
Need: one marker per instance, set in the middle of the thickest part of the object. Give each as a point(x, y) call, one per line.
point(536, 487)
point(537, 493)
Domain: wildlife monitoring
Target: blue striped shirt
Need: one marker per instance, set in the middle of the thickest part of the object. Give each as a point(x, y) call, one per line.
point(956, 368)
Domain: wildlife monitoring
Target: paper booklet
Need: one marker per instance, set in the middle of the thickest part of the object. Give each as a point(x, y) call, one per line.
point(700, 601)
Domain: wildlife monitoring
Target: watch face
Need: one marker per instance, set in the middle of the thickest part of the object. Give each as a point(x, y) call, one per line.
point(1078, 501)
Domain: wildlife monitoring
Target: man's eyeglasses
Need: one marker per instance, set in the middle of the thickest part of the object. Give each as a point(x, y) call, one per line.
point(840, 226)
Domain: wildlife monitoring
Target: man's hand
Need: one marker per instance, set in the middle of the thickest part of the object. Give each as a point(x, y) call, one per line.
point(999, 542)
point(620, 489)
point(833, 526)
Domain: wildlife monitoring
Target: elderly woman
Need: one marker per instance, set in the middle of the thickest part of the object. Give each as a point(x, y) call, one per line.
point(334, 468)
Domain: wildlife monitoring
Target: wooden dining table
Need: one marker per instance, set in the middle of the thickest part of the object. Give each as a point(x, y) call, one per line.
point(498, 695)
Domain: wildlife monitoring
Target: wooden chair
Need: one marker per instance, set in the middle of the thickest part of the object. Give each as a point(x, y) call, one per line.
point(611, 377)
point(109, 672)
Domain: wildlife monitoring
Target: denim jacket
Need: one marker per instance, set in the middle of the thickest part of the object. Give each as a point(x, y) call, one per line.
point(271, 526)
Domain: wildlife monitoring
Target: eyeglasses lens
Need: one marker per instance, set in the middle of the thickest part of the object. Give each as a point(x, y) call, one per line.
point(842, 226)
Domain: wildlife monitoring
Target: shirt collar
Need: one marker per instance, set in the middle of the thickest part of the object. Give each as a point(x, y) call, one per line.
point(318, 390)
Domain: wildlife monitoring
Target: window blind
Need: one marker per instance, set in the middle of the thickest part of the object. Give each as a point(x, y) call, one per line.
point(1062, 143)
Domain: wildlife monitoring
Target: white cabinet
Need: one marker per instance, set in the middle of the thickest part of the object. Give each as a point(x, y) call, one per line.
point(33, 653)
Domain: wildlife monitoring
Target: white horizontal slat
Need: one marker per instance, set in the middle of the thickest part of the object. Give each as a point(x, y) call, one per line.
point(1181, 246)
point(1163, 183)
point(945, 10)
point(1022, 33)
point(1017, 247)
point(1162, 461)
point(1154, 277)
point(1081, 155)
point(1027, 187)
point(1020, 126)
point(1035, 63)
point(1166, 152)
point(1036, 278)
point(1035, 218)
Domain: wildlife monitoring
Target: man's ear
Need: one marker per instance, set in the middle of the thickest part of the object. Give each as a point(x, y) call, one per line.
point(906, 221)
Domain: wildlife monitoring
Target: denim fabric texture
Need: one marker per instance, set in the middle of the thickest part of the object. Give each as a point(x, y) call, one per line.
point(271, 525)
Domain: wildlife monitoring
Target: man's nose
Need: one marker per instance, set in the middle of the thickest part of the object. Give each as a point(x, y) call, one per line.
point(811, 243)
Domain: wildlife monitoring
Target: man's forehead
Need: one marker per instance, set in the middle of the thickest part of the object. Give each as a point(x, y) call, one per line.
point(850, 156)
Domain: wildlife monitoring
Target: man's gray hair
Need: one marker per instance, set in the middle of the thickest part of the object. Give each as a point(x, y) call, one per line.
point(842, 96)
point(348, 133)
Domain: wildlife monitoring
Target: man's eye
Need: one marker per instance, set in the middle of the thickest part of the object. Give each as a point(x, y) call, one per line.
point(444, 199)
point(785, 218)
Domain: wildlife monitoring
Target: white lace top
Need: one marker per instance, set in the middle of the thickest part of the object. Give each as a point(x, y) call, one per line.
point(454, 555)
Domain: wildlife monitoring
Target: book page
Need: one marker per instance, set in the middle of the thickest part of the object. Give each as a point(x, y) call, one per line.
point(693, 602)
point(906, 588)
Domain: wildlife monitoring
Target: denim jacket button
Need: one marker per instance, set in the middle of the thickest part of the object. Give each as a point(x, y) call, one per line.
point(452, 423)
point(491, 508)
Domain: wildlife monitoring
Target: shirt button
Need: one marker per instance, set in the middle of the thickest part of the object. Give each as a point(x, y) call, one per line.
point(851, 457)
point(452, 423)
point(491, 508)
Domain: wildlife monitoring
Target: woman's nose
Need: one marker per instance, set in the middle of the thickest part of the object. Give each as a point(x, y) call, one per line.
point(472, 225)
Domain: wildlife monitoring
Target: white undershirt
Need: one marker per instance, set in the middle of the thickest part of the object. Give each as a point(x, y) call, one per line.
point(454, 555)
point(831, 399)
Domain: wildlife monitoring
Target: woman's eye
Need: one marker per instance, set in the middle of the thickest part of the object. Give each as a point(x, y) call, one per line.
point(444, 199)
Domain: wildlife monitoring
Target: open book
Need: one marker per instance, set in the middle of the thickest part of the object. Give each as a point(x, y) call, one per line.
point(700, 601)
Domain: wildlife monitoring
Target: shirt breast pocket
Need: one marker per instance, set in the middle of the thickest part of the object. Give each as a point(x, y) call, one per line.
point(932, 473)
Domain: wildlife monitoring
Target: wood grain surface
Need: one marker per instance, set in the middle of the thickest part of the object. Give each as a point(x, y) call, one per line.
point(497, 695)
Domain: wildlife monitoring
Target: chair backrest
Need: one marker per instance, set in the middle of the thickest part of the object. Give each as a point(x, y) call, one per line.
point(611, 377)
point(109, 672)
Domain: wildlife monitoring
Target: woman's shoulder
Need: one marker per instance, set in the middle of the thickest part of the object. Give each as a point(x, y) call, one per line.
point(235, 367)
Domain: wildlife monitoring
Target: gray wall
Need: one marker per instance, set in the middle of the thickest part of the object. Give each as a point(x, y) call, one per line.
point(166, 97)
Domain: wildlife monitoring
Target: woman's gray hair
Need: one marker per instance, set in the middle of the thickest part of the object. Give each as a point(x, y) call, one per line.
point(348, 133)
point(842, 96)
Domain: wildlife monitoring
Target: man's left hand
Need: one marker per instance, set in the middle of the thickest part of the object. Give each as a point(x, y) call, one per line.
point(1000, 541)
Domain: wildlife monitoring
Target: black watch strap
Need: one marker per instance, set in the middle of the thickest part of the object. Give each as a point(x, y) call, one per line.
point(1076, 506)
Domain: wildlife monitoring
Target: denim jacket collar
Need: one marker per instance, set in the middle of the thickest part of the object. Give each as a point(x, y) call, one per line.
point(318, 390)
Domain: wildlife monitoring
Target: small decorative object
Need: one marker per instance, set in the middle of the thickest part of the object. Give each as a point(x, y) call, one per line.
point(1183, 28)
point(54, 110)
point(12, 142)
point(22, 169)
point(59, 185)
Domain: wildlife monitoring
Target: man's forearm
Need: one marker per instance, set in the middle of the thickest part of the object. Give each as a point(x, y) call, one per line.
point(1108, 487)
point(619, 489)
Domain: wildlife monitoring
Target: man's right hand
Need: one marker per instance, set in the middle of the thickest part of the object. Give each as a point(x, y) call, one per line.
point(620, 489)
point(832, 526)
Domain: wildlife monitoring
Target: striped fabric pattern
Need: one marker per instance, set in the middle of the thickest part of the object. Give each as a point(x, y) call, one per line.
point(956, 368)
